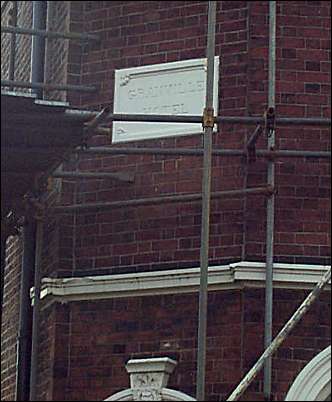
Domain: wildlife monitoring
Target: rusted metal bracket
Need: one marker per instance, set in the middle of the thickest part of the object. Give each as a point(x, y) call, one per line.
point(208, 117)
point(269, 121)
point(251, 144)
point(92, 125)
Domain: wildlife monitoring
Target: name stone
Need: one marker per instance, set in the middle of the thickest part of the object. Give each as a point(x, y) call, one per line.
point(176, 88)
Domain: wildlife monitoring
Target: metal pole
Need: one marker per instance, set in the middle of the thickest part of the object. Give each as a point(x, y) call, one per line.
point(25, 318)
point(299, 121)
point(285, 153)
point(282, 335)
point(206, 195)
point(159, 200)
point(126, 177)
point(36, 311)
point(157, 151)
point(199, 152)
point(49, 87)
point(253, 138)
point(270, 207)
point(280, 121)
point(12, 44)
point(39, 11)
point(84, 115)
point(50, 34)
point(180, 151)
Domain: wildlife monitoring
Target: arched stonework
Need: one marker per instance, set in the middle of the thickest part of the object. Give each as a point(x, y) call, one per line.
point(314, 381)
point(148, 380)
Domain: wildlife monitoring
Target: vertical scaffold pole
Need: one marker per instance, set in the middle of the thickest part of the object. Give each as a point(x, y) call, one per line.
point(270, 205)
point(206, 191)
point(39, 17)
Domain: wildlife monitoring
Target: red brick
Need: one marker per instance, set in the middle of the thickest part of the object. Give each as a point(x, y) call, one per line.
point(171, 234)
point(311, 238)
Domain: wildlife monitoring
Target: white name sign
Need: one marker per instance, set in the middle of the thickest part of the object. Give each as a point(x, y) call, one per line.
point(176, 88)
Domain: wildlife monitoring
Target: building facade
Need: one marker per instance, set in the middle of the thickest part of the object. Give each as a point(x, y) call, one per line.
point(122, 283)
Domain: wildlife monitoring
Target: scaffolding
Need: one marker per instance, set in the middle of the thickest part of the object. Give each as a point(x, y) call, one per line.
point(98, 122)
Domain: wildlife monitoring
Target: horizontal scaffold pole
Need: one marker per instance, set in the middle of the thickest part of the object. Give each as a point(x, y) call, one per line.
point(199, 152)
point(126, 177)
point(282, 335)
point(84, 115)
point(280, 121)
point(49, 87)
point(283, 153)
point(50, 34)
point(161, 200)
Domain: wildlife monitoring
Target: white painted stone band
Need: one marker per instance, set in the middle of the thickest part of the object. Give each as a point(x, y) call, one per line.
point(233, 276)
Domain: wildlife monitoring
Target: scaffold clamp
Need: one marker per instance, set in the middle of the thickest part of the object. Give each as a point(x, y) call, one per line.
point(269, 117)
point(270, 190)
point(208, 117)
point(271, 154)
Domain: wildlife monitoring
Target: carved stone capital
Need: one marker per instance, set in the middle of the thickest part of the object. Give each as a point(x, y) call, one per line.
point(149, 376)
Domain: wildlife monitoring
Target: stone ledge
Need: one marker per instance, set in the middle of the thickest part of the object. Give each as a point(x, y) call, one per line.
point(233, 276)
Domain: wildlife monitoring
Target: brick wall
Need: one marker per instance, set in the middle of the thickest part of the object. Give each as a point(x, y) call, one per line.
point(11, 304)
point(89, 359)
point(10, 315)
point(14, 244)
point(168, 236)
point(162, 236)
point(302, 90)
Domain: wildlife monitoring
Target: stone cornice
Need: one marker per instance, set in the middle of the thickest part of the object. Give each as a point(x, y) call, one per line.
point(233, 276)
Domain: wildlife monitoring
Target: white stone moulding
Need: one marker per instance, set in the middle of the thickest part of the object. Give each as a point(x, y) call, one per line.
point(175, 88)
point(233, 276)
point(314, 381)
